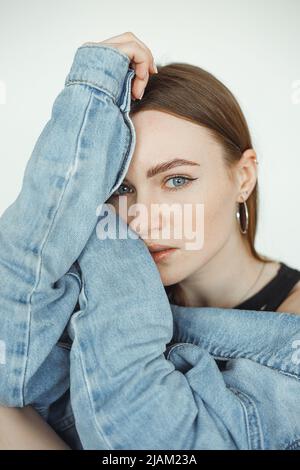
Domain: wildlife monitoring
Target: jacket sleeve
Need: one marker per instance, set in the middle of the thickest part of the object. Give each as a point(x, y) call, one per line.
point(126, 391)
point(85, 144)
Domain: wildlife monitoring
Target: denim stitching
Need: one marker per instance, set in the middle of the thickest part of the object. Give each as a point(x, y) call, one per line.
point(40, 260)
point(255, 437)
point(94, 85)
point(79, 356)
point(214, 350)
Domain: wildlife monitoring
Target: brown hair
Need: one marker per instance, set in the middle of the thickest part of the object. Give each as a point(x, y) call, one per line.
point(189, 92)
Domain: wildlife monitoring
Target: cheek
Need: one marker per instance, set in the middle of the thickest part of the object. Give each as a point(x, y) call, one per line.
point(218, 217)
point(211, 229)
point(206, 216)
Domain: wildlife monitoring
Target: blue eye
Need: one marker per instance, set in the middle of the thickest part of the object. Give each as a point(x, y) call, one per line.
point(116, 193)
point(178, 182)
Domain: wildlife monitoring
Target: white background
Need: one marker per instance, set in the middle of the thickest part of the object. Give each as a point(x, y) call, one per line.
point(252, 46)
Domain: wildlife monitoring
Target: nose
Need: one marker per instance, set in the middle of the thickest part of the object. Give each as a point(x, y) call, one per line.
point(144, 217)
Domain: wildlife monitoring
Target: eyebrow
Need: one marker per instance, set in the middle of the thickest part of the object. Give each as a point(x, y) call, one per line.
point(162, 167)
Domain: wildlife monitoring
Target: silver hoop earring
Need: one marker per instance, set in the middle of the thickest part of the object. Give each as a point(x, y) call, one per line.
point(243, 216)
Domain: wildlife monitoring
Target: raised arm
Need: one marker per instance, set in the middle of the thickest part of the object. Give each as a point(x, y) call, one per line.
point(77, 162)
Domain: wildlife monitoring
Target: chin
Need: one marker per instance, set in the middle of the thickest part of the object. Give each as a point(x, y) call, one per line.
point(168, 275)
point(169, 272)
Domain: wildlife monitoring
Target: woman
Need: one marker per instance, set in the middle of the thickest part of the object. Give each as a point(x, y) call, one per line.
point(220, 172)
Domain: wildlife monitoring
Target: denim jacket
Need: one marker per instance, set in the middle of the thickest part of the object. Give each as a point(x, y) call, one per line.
point(137, 372)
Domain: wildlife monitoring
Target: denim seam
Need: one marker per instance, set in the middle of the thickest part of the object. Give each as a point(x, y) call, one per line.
point(125, 156)
point(255, 436)
point(64, 423)
point(60, 424)
point(214, 350)
point(40, 260)
point(179, 345)
point(276, 369)
point(64, 345)
point(94, 85)
point(128, 141)
point(79, 355)
point(76, 277)
point(83, 294)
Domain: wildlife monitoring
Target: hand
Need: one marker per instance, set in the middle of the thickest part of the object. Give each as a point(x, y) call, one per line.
point(142, 60)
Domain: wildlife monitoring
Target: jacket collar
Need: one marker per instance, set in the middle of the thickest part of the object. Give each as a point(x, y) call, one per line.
point(269, 338)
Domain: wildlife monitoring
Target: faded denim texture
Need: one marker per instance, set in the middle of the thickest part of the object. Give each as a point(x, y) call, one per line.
point(127, 369)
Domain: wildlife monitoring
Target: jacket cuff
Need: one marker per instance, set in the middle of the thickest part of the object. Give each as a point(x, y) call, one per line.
point(101, 67)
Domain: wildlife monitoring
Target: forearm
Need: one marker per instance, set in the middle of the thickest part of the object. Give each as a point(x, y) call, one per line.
point(125, 393)
point(77, 161)
point(133, 394)
point(24, 428)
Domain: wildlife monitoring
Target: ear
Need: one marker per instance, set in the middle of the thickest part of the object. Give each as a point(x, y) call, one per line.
point(247, 172)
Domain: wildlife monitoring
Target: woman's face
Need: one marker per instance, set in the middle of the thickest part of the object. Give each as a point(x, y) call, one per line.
point(161, 138)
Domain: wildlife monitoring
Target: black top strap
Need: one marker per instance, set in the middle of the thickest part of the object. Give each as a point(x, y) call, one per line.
point(271, 296)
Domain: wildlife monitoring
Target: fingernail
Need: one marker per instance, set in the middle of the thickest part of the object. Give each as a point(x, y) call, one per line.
point(141, 95)
point(155, 68)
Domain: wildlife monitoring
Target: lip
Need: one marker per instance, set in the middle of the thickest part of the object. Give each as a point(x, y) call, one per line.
point(156, 246)
point(163, 254)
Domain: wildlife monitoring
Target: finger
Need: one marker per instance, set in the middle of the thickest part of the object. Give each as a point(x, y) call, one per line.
point(141, 71)
point(142, 74)
point(152, 61)
point(141, 79)
point(140, 57)
point(128, 37)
